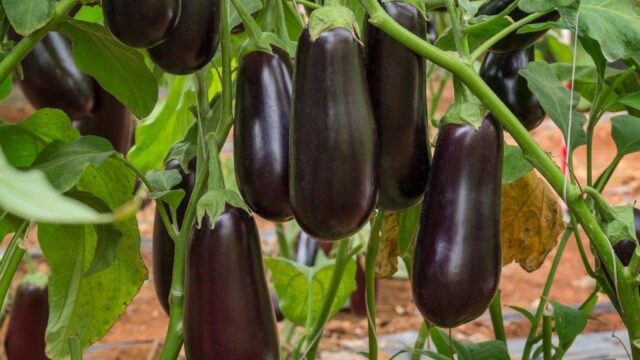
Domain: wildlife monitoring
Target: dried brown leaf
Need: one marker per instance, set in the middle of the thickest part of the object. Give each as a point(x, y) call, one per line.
point(387, 259)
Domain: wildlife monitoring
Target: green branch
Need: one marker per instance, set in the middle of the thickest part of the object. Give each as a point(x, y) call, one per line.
point(370, 279)
point(24, 46)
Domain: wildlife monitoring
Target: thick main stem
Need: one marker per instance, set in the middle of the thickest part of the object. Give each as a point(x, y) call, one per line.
point(24, 46)
point(370, 279)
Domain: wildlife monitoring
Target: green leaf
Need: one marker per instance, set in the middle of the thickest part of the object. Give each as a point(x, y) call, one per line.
point(23, 142)
point(617, 222)
point(442, 342)
point(301, 290)
point(631, 100)
point(167, 124)
point(27, 16)
point(88, 306)
point(556, 102)
point(252, 6)
point(164, 180)
point(514, 165)
point(476, 37)
point(212, 204)
point(625, 130)
point(30, 196)
point(5, 87)
point(569, 323)
point(488, 350)
point(119, 69)
point(615, 25)
point(64, 164)
point(531, 6)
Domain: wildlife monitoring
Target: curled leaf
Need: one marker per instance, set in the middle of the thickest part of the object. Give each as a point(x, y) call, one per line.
point(387, 258)
point(531, 221)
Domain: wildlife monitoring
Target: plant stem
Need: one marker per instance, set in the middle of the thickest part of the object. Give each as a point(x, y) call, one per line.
point(604, 178)
point(526, 353)
point(250, 24)
point(504, 33)
point(285, 252)
point(370, 283)
point(281, 28)
point(10, 261)
point(313, 339)
point(75, 348)
point(547, 333)
point(493, 19)
point(421, 339)
point(24, 46)
point(462, 46)
point(583, 254)
point(495, 310)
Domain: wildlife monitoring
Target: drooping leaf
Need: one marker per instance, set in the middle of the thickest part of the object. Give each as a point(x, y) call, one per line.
point(27, 16)
point(387, 257)
point(212, 204)
point(119, 69)
point(614, 24)
point(531, 220)
point(88, 306)
point(475, 37)
point(569, 323)
point(514, 165)
point(64, 164)
point(556, 102)
point(408, 227)
point(631, 100)
point(625, 130)
point(23, 142)
point(531, 6)
point(167, 124)
point(29, 195)
point(301, 290)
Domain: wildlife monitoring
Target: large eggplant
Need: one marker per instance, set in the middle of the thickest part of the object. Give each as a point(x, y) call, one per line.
point(109, 119)
point(333, 144)
point(194, 40)
point(141, 23)
point(163, 247)
point(261, 133)
point(25, 338)
point(457, 258)
point(397, 81)
point(514, 41)
point(52, 79)
point(228, 311)
point(502, 73)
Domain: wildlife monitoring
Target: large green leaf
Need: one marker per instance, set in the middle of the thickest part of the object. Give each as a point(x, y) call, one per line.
point(488, 350)
point(29, 195)
point(301, 290)
point(614, 24)
point(514, 165)
point(64, 164)
point(27, 16)
point(87, 303)
point(167, 124)
point(23, 142)
point(625, 130)
point(556, 102)
point(569, 323)
point(119, 69)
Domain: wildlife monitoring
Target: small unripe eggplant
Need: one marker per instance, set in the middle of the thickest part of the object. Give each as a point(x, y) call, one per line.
point(25, 338)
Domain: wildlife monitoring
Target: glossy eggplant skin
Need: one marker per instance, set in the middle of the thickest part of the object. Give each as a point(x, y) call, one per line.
point(193, 41)
point(457, 258)
point(333, 160)
point(25, 338)
point(397, 82)
point(228, 310)
point(306, 249)
point(502, 73)
point(261, 133)
point(141, 23)
point(109, 119)
point(163, 247)
point(513, 41)
point(52, 79)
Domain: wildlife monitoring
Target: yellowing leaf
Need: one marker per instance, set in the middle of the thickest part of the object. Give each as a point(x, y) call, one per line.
point(387, 259)
point(531, 221)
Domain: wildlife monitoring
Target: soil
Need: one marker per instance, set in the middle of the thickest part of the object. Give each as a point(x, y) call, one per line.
point(139, 332)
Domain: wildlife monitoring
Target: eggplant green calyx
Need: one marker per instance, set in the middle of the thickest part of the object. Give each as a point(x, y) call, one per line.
point(332, 17)
point(36, 279)
point(468, 111)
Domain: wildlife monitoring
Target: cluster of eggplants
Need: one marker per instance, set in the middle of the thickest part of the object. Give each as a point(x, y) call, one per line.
point(181, 35)
point(501, 71)
point(25, 337)
point(163, 246)
point(514, 41)
point(227, 300)
point(457, 256)
point(52, 79)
